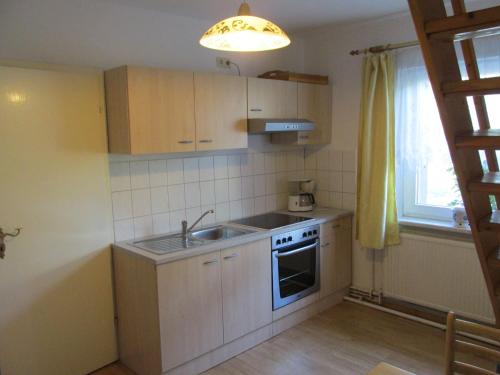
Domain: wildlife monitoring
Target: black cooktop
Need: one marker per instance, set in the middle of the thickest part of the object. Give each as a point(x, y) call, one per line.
point(270, 220)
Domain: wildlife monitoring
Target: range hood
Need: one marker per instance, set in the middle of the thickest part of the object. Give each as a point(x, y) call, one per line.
point(265, 126)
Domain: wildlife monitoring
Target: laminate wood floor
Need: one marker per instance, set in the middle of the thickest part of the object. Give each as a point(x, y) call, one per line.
point(346, 339)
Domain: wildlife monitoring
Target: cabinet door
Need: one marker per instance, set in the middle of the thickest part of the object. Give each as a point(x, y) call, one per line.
point(190, 308)
point(342, 244)
point(149, 110)
point(246, 288)
point(327, 262)
point(161, 111)
point(314, 103)
point(268, 98)
point(220, 109)
point(336, 255)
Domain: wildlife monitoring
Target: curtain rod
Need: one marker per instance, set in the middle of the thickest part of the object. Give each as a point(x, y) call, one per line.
point(383, 48)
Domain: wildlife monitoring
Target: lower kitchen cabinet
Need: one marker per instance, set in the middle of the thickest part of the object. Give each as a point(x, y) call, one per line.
point(335, 255)
point(188, 315)
point(190, 308)
point(246, 288)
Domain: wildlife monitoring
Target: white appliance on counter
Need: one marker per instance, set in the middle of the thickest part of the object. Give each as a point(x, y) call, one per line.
point(301, 195)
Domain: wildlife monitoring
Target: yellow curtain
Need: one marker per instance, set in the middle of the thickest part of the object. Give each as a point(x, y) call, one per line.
point(376, 215)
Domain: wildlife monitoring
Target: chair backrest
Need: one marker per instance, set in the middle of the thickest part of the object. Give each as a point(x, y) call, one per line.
point(453, 345)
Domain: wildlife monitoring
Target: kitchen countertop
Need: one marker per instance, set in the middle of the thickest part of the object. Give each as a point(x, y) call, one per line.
point(319, 215)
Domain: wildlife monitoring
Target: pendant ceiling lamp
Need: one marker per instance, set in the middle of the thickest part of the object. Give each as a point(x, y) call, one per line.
point(244, 33)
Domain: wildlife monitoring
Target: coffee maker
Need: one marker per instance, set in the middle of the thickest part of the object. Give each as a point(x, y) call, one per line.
point(301, 195)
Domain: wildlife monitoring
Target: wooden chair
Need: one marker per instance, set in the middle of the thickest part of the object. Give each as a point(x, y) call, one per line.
point(386, 369)
point(453, 345)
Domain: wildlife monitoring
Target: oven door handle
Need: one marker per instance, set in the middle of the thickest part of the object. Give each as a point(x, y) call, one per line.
point(296, 251)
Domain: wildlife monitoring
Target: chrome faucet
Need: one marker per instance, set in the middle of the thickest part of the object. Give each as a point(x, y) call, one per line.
point(186, 230)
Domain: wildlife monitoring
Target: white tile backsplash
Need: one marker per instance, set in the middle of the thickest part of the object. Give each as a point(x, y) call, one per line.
point(233, 166)
point(119, 176)
point(124, 229)
point(221, 191)
point(154, 196)
point(175, 171)
point(207, 192)
point(222, 211)
point(191, 170)
point(220, 167)
point(259, 163)
point(176, 197)
point(247, 187)
point(259, 185)
point(192, 194)
point(122, 205)
point(348, 182)
point(161, 223)
point(158, 173)
point(159, 199)
point(235, 188)
point(139, 174)
point(143, 226)
point(176, 218)
point(336, 181)
point(235, 210)
point(206, 165)
point(348, 161)
point(141, 202)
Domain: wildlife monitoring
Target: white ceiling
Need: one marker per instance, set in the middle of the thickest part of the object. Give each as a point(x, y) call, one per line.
point(290, 14)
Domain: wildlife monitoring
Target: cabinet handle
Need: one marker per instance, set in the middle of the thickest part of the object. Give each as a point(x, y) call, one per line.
point(326, 244)
point(231, 256)
point(185, 142)
point(255, 110)
point(205, 141)
point(209, 262)
point(304, 137)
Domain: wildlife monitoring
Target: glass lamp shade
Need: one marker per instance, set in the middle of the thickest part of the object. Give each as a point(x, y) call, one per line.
point(244, 33)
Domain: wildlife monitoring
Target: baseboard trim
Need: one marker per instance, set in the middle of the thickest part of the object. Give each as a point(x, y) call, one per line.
point(417, 319)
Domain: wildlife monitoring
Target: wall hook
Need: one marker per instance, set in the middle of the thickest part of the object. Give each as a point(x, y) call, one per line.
point(3, 247)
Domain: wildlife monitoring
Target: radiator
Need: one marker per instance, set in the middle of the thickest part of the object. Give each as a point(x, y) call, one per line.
point(438, 273)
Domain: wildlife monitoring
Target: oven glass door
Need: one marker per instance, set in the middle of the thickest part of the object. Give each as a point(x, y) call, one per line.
point(295, 273)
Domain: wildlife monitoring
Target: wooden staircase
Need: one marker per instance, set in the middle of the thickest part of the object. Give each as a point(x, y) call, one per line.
point(437, 33)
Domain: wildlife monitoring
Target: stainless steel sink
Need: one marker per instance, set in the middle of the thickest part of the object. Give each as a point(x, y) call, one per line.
point(175, 242)
point(220, 232)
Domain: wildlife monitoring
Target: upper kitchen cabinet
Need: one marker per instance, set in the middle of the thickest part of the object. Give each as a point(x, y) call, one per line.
point(149, 110)
point(314, 104)
point(268, 98)
point(220, 112)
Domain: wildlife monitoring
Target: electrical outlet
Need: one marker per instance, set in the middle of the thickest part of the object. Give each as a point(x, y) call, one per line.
point(223, 63)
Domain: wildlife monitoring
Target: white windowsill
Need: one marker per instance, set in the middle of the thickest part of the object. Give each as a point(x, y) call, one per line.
point(445, 227)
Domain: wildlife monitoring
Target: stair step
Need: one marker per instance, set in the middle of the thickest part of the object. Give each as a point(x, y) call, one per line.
point(465, 25)
point(490, 222)
point(472, 87)
point(480, 139)
point(488, 183)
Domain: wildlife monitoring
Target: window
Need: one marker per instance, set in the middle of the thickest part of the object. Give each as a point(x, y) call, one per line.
point(426, 184)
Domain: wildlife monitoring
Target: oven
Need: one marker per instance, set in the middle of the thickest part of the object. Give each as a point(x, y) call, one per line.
point(295, 265)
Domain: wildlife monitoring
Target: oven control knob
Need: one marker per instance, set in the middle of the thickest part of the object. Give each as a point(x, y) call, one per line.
point(304, 234)
point(283, 240)
point(289, 238)
point(315, 231)
point(278, 242)
point(309, 233)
